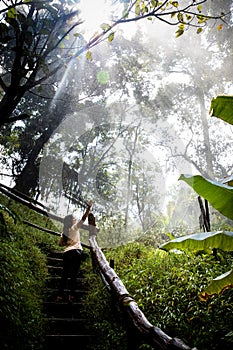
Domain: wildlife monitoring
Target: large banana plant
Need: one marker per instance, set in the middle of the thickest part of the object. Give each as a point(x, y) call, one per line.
point(220, 196)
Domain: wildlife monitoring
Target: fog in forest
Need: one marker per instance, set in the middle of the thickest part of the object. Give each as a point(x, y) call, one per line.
point(135, 116)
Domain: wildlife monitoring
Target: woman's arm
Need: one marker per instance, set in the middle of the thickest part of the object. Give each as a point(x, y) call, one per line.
point(85, 215)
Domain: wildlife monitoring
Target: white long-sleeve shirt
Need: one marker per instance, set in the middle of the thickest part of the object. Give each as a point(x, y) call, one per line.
point(74, 241)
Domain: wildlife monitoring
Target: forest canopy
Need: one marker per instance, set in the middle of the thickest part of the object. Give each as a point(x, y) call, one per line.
point(117, 113)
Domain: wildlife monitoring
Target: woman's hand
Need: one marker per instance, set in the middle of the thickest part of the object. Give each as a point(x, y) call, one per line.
point(90, 203)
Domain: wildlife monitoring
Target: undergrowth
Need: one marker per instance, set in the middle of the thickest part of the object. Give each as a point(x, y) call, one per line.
point(23, 275)
point(166, 287)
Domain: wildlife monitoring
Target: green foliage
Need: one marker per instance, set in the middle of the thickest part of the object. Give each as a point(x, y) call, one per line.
point(220, 196)
point(3, 224)
point(206, 241)
point(220, 283)
point(166, 287)
point(22, 282)
point(22, 279)
point(222, 107)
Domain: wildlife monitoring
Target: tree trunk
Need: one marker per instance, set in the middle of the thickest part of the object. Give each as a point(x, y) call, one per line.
point(27, 181)
point(7, 106)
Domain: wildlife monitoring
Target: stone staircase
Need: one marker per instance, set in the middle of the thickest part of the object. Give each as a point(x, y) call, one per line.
point(65, 326)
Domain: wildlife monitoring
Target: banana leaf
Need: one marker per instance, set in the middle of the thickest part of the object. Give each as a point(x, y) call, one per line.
point(218, 285)
point(202, 241)
point(220, 196)
point(222, 107)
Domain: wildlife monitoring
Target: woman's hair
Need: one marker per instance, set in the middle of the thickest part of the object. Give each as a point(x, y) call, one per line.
point(68, 222)
point(91, 219)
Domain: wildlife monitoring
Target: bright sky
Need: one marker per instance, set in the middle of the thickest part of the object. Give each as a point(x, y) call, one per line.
point(94, 13)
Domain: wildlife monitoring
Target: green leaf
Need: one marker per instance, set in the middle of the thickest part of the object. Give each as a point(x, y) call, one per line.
point(89, 55)
point(222, 107)
point(137, 7)
point(201, 19)
point(179, 32)
point(144, 9)
point(154, 3)
point(137, 10)
point(199, 30)
point(175, 3)
point(180, 17)
point(202, 241)
point(189, 17)
point(11, 13)
point(218, 285)
point(219, 196)
point(105, 26)
point(110, 37)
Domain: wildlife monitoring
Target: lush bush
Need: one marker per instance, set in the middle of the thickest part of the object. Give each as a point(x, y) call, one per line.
point(102, 313)
point(166, 287)
point(22, 280)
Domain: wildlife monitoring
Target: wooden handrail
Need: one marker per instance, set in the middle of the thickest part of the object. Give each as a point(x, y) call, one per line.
point(24, 196)
point(27, 203)
point(7, 191)
point(151, 334)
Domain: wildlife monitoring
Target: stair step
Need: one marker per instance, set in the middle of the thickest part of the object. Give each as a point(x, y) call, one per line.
point(51, 295)
point(66, 326)
point(54, 282)
point(54, 261)
point(56, 254)
point(55, 270)
point(71, 341)
point(63, 309)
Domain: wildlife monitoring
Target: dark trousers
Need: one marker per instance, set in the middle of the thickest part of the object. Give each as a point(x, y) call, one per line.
point(71, 266)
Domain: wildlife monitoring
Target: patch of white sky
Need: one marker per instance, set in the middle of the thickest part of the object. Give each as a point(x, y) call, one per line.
point(93, 14)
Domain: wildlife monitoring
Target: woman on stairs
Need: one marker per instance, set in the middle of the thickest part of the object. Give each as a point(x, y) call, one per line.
point(70, 238)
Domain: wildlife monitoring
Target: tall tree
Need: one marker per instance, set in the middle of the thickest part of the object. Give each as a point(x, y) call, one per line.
point(34, 44)
point(80, 84)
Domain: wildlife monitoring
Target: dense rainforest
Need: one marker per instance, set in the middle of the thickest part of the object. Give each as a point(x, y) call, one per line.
point(115, 102)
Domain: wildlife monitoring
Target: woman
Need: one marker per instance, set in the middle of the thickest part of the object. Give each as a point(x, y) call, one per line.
point(70, 238)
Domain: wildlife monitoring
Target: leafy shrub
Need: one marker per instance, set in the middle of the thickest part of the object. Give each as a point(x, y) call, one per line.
point(22, 279)
point(166, 287)
point(103, 315)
